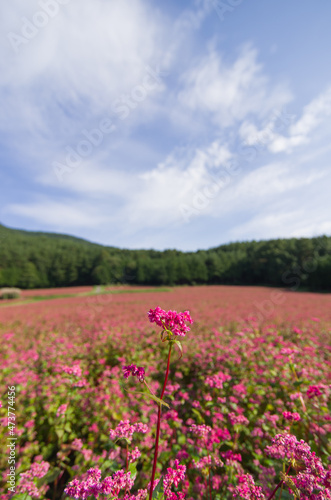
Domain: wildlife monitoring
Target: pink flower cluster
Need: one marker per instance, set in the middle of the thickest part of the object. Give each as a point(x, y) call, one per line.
point(27, 485)
point(37, 470)
point(223, 434)
point(311, 474)
point(134, 455)
point(73, 370)
point(287, 446)
point(61, 410)
point(92, 486)
point(125, 430)
point(230, 456)
point(136, 371)
point(217, 380)
point(171, 320)
point(247, 489)
point(313, 390)
point(175, 496)
point(173, 476)
point(89, 487)
point(237, 419)
point(120, 480)
point(291, 417)
point(77, 444)
point(141, 495)
point(200, 430)
point(208, 461)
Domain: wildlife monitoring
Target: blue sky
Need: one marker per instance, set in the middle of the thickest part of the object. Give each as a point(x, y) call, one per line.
point(185, 125)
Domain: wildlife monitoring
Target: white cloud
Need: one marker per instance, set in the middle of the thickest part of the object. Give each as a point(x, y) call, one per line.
point(280, 199)
point(162, 191)
point(300, 132)
point(264, 185)
point(282, 133)
point(287, 222)
point(229, 92)
point(76, 66)
point(313, 114)
point(278, 120)
point(92, 180)
point(151, 197)
point(67, 79)
point(182, 28)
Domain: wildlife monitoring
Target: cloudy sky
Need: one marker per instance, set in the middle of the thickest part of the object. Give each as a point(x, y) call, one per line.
point(145, 124)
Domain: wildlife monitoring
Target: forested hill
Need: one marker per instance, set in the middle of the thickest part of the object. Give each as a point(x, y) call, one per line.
point(41, 260)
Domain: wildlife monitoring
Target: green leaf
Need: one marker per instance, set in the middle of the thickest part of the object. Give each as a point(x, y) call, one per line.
point(198, 415)
point(21, 496)
point(158, 491)
point(150, 396)
point(133, 470)
point(156, 399)
point(59, 433)
point(122, 438)
point(181, 439)
point(177, 342)
point(286, 495)
point(49, 477)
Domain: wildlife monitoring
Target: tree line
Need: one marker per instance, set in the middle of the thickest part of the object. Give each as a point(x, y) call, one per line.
point(42, 260)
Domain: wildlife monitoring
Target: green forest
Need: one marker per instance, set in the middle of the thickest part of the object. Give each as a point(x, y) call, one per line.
point(42, 260)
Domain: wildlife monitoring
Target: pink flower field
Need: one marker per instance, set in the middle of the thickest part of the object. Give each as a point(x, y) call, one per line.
point(196, 393)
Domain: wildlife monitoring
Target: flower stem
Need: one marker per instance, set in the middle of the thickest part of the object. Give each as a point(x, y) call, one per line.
point(158, 426)
point(300, 397)
point(278, 485)
point(275, 490)
point(210, 495)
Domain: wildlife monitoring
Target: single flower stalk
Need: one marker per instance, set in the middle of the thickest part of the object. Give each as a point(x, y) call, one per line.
point(173, 325)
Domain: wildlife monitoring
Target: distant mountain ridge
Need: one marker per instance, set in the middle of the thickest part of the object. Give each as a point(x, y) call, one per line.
point(6, 230)
point(30, 259)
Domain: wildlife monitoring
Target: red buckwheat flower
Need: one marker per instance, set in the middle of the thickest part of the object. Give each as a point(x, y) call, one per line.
point(136, 371)
point(171, 320)
point(292, 417)
point(313, 390)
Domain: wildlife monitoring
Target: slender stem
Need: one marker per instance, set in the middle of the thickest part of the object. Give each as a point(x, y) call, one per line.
point(210, 496)
point(167, 373)
point(55, 488)
point(158, 426)
point(235, 440)
point(275, 490)
point(150, 390)
point(281, 492)
point(300, 397)
point(278, 485)
point(127, 464)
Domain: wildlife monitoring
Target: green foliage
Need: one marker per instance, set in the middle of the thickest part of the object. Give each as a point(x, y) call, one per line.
point(158, 492)
point(42, 260)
